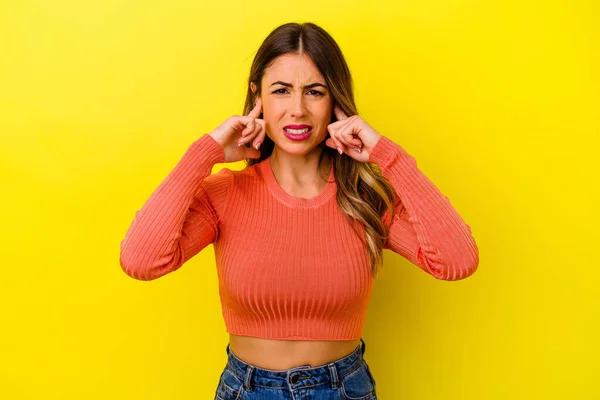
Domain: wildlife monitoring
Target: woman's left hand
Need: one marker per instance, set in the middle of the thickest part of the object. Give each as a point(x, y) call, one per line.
point(350, 134)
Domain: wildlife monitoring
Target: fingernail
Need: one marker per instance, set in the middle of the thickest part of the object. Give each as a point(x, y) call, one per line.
point(339, 150)
point(257, 144)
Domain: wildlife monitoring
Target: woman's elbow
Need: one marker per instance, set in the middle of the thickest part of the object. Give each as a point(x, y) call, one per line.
point(461, 269)
point(145, 271)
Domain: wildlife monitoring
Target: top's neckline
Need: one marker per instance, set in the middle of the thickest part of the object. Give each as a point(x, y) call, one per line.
point(292, 201)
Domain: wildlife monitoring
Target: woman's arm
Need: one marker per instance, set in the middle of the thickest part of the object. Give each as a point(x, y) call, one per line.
point(180, 218)
point(428, 231)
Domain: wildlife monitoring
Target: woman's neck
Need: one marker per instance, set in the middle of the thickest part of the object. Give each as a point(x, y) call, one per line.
point(299, 175)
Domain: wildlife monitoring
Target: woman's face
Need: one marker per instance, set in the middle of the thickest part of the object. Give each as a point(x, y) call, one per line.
point(293, 92)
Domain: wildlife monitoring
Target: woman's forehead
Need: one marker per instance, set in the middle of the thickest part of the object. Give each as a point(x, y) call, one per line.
point(295, 69)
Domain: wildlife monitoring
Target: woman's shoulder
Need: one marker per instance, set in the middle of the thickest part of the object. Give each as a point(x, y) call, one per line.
point(227, 176)
point(227, 183)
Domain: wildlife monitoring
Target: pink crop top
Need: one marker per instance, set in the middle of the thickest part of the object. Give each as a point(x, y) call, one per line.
point(289, 267)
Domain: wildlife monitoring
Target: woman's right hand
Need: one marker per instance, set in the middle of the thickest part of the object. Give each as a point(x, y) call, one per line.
point(237, 131)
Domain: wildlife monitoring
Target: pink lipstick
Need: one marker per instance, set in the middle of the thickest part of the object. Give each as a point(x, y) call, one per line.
point(297, 132)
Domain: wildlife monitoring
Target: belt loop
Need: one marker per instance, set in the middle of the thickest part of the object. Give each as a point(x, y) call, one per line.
point(334, 375)
point(248, 379)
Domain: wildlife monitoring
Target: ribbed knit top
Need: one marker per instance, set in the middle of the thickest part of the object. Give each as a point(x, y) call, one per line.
point(289, 267)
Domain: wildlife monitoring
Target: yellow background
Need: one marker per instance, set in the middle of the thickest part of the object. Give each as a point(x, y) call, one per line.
point(497, 100)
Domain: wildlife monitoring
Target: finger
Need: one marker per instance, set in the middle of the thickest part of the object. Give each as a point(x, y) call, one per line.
point(255, 113)
point(260, 137)
point(346, 136)
point(341, 135)
point(330, 143)
point(339, 114)
point(333, 128)
point(252, 134)
point(336, 143)
point(336, 128)
point(350, 138)
point(249, 127)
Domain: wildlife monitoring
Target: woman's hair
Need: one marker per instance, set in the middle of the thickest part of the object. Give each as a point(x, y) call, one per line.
point(363, 194)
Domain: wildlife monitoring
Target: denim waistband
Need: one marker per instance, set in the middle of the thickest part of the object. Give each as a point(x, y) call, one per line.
point(297, 377)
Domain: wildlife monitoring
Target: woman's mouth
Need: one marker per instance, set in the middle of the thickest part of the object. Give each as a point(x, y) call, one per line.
point(297, 134)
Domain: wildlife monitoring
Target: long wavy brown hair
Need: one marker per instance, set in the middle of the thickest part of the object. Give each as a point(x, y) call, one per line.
point(363, 194)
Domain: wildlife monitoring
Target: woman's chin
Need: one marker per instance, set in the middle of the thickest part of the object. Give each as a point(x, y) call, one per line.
point(298, 147)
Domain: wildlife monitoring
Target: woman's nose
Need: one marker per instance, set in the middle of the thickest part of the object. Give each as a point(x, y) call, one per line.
point(297, 106)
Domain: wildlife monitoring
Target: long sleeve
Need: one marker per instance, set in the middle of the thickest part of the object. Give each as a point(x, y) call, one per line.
point(180, 217)
point(428, 231)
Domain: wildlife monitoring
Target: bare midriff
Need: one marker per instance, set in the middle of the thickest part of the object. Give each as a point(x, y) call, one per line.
point(285, 354)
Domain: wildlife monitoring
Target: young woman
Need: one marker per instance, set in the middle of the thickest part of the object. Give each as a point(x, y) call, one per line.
point(298, 233)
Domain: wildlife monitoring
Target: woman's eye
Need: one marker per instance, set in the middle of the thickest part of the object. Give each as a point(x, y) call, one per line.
point(315, 92)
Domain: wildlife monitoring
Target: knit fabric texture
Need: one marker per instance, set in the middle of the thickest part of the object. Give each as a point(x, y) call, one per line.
point(288, 267)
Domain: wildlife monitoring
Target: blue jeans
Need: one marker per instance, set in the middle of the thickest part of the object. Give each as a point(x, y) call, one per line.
point(347, 378)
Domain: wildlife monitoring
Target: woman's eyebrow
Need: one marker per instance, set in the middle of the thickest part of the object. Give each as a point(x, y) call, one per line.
point(310, 86)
